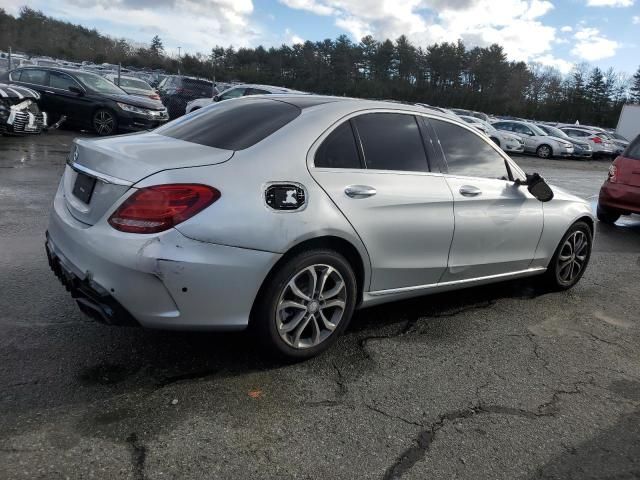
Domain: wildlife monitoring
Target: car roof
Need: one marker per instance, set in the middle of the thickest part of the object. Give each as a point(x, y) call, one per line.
point(269, 88)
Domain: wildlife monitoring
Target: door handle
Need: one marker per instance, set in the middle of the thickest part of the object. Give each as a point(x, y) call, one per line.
point(48, 91)
point(470, 191)
point(360, 191)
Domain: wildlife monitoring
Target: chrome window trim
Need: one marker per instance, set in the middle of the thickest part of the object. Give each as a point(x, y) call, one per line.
point(392, 291)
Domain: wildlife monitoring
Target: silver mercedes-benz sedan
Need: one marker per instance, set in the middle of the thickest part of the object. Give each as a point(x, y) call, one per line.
point(286, 213)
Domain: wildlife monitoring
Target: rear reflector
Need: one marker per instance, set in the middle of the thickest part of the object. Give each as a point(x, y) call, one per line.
point(158, 208)
point(613, 174)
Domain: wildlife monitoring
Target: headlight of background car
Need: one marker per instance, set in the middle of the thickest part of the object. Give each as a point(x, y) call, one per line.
point(132, 109)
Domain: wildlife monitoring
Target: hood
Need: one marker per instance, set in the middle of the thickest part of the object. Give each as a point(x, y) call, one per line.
point(577, 142)
point(509, 136)
point(17, 93)
point(560, 140)
point(136, 156)
point(135, 100)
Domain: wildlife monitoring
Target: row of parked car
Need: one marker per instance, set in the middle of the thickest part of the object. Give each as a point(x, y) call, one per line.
point(110, 103)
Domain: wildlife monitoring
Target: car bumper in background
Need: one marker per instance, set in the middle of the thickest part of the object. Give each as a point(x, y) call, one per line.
point(160, 281)
point(621, 197)
point(514, 148)
point(134, 122)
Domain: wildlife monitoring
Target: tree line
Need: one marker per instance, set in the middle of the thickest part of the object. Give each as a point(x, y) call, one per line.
point(444, 74)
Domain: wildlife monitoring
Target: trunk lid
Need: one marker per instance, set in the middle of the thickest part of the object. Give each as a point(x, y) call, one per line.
point(628, 171)
point(115, 164)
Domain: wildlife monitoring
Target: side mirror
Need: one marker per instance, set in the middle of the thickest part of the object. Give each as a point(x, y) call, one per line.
point(537, 187)
point(216, 98)
point(76, 90)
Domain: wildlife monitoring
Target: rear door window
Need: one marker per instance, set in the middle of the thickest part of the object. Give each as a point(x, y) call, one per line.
point(233, 93)
point(391, 141)
point(256, 91)
point(33, 76)
point(61, 81)
point(339, 149)
point(232, 125)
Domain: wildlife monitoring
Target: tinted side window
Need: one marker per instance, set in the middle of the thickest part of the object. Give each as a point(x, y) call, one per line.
point(15, 76)
point(37, 77)
point(61, 81)
point(232, 125)
point(339, 149)
point(633, 150)
point(503, 126)
point(391, 141)
point(233, 93)
point(467, 153)
point(256, 91)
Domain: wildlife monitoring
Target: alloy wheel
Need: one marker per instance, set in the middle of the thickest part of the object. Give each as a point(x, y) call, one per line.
point(103, 122)
point(311, 306)
point(573, 257)
point(544, 151)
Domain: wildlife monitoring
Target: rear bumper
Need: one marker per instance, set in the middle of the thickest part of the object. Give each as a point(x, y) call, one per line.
point(625, 198)
point(163, 281)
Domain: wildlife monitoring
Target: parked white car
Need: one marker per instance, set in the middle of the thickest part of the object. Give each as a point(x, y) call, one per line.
point(535, 140)
point(509, 142)
point(235, 92)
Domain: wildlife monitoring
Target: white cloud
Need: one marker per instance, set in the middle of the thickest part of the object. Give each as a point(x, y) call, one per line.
point(563, 66)
point(610, 3)
point(292, 38)
point(591, 45)
point(514, 24)
point(567, 28)
point(635, 19)
point(194, 25)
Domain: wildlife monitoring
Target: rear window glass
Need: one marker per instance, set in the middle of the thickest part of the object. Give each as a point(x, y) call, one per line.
point(201, 86)
point(233, 125)
point(633, 150)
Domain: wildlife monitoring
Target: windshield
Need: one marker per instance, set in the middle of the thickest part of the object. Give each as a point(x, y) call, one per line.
point(537, 130)
point(617, 136)
point(133, 83)
point(556, 132)
point(98, 84)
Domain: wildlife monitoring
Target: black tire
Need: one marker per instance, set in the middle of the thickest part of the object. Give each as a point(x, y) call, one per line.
point(544, 151)
point(266, 316)
point(607, 216)
point(104, 122)
point(556, 278)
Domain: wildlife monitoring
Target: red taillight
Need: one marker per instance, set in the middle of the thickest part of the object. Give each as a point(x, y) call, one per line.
point(596, 139)
point(158, 208)
point(154, 96)
point(613, 174)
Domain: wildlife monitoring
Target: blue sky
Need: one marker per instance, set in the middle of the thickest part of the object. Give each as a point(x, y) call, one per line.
point(552, 32)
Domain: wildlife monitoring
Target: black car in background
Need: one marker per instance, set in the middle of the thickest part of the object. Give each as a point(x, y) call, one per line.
point(89, 100)
point(177, 90)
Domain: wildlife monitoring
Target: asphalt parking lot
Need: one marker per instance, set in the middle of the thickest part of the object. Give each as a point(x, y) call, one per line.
point(498, 382)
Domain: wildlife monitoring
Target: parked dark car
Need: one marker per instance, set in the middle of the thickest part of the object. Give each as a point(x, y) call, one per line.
point(620, 193)
point(176, 91)
point(19, 111)
point(89, 100)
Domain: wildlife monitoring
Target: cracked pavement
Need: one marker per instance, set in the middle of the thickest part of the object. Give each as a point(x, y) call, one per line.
point(500, 382)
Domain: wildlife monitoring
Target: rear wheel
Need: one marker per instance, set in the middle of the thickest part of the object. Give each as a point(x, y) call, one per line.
point(104, 122)
point(544, 151)
point(607, 216)
point(571, 257)
point(306, 304)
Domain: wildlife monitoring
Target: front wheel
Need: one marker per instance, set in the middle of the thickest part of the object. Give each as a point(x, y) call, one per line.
point(104, 122)
point(544, 151)
point(571, 257)
point(306, 304)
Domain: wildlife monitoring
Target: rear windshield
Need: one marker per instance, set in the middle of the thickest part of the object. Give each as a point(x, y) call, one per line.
point(232, 125)
point(199, 85)
point(633, 150)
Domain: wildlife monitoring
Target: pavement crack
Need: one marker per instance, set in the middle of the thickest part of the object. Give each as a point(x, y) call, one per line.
point(394, 417)
point(340, 381)
point(138, 456)
point(196, 375)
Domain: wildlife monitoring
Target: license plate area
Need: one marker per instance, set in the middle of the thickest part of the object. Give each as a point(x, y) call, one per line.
point(83, 187)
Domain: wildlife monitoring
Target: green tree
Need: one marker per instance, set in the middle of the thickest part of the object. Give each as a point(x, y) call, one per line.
point(635, 87)
point(156, 48)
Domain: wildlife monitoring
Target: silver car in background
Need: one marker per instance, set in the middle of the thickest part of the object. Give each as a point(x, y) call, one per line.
point(285, 213)
point(581, 148)
point(241, 90)
point(600, 145)
point(509, 142)
point(535, 140)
